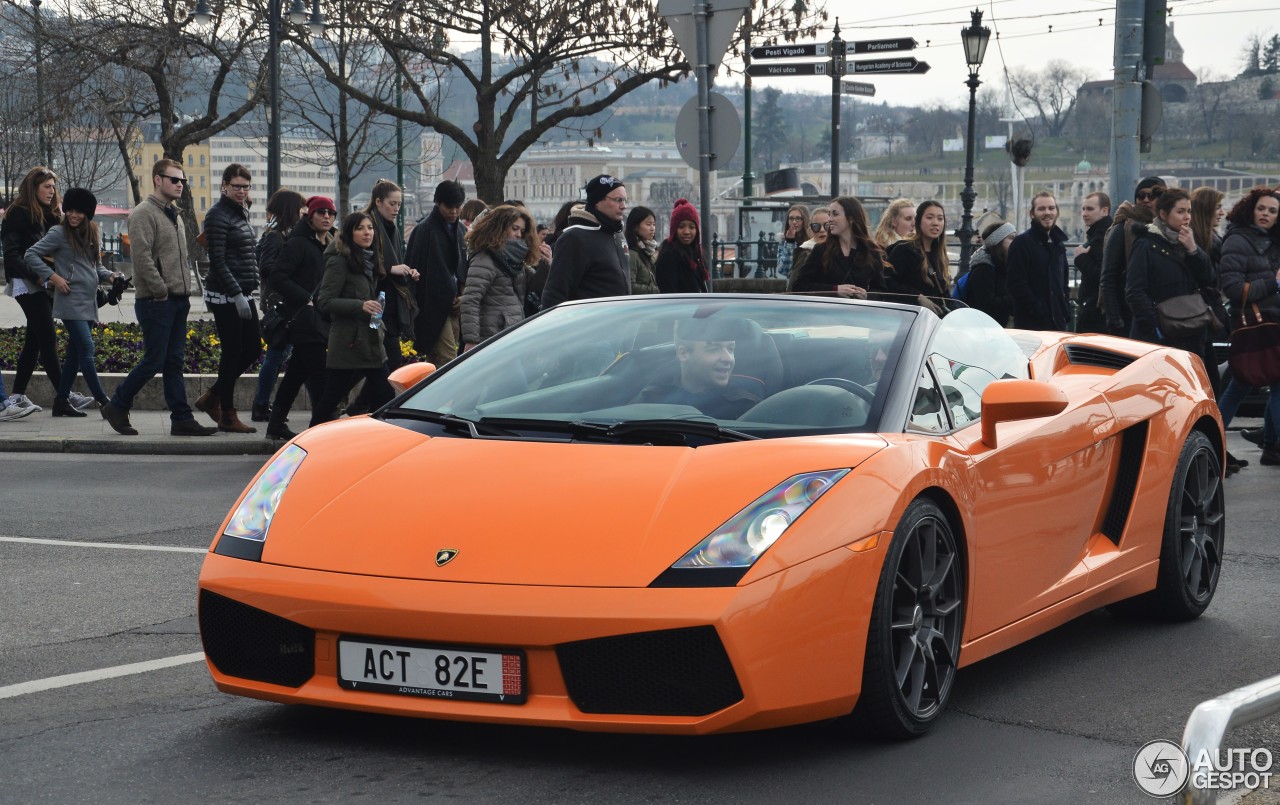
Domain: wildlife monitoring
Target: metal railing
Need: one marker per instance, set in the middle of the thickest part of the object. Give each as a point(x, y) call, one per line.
point(1211, 720)
point(745, 258)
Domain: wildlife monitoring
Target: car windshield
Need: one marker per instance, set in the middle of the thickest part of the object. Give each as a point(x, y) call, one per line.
point(755, 368)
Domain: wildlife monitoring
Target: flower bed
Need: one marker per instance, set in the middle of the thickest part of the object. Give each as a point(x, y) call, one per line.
point(119, 346)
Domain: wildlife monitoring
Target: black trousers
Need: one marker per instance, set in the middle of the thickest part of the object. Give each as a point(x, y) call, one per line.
point(340, 381)
point(241, 345)
point(40, 341)
point(364, 400)
point(306, 366)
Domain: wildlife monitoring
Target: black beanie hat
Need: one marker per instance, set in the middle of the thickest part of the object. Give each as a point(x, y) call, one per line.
point(601, 186)
point(450, 194)
point(80, 200)
point(1150, 181)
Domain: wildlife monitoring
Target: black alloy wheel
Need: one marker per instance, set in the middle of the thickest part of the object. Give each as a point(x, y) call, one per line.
point(1195, 525)
point(913, 644)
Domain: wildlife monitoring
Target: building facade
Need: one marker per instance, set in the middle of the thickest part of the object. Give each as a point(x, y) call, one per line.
point(298, 169)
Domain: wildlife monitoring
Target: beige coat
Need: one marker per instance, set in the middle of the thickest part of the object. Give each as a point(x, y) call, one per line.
point(161, 263)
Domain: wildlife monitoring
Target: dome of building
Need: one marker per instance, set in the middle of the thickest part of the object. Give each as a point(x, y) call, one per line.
point(1084, 167)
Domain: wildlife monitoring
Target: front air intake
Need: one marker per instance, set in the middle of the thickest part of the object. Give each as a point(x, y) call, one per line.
point(246, 642)
point(674, 672)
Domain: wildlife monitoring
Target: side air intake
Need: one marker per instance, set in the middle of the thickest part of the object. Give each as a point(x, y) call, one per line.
point(1080, 355)
point(1133, 445)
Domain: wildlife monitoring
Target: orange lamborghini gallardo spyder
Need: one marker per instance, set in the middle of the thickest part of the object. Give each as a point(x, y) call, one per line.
point(704, 514)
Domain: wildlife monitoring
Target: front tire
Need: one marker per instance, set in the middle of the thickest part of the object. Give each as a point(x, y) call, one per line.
point(1194, 528)
point(913, 643)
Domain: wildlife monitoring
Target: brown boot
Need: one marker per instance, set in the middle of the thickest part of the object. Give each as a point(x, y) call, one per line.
point(211, 405)
point(231, 423)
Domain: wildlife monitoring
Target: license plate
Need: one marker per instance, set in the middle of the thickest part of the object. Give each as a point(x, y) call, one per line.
point(437, 672)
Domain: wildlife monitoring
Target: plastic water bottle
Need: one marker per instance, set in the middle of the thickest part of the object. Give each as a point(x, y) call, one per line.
point(376, 320)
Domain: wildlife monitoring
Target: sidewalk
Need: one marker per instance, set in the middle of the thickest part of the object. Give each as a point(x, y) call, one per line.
point(42, 433)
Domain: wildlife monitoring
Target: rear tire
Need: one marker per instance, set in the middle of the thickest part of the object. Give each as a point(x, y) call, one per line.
point(913, 643)
point(1191, 545)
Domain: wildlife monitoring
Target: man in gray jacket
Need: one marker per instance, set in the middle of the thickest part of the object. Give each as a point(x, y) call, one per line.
point(162, 293)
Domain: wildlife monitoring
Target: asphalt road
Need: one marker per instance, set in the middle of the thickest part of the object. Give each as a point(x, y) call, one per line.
point(1055, 720)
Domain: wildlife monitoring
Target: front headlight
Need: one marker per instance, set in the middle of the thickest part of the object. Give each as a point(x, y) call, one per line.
point(246, 531)
point(735, 546)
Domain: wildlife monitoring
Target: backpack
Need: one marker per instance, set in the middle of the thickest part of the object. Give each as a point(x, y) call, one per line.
point(962, 286)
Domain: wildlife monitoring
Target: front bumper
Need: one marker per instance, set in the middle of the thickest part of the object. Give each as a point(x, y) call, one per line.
point(795, 640)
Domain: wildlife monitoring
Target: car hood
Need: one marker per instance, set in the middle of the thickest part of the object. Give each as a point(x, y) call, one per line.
point(376, 499)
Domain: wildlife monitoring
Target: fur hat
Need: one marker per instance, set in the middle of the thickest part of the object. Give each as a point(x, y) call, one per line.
point(317, 203)
point(601, 186)
point(449, 193)
point(80, 200)
point(683, 211)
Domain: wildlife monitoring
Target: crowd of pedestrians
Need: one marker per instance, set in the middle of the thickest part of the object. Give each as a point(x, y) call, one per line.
point(334, 300)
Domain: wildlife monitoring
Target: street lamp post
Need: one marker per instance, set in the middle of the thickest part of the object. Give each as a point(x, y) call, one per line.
point(975, 39)
point(46, 151)
point(297, 16)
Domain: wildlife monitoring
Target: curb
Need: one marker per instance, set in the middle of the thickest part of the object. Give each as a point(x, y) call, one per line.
point(133, 446)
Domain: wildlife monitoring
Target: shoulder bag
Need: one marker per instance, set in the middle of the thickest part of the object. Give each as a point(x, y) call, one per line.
point(1185, 315)
point(1255, 347)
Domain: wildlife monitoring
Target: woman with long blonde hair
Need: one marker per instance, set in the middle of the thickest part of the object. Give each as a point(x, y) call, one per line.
point(898, 222)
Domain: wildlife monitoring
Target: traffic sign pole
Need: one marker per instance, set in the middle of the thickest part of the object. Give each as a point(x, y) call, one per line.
point(837, 70)
point(704, 131)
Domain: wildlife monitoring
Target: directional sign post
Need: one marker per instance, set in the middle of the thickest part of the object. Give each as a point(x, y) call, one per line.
point(879, 46)
point(907, 65)
point(858, 88)
point(790, 51)
point(799, 68)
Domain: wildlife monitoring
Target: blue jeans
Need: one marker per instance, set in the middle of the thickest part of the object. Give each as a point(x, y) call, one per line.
point(272, 360)
point(1235, 393)
point(164, 340)
point(79, 358)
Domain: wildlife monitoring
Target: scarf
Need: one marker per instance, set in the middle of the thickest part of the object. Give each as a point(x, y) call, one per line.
point(1161, 229)
point(365, 258)
point(649, 247)
point(514, 253)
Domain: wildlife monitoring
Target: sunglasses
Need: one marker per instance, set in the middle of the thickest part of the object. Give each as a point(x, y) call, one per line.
point(326, 213)
point(175, 179)
point(1151, 195)
point(816, 227)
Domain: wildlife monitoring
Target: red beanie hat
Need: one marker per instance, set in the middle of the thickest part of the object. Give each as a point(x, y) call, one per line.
point(683, 211)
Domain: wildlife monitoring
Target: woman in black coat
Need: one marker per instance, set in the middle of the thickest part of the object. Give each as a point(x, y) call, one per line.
point(680, 267)
point(920, 272)
point(848, 264)
point(1166, 262)
point(29, 218)
point(1250, 266)
point(295, 278)
point(987, 288)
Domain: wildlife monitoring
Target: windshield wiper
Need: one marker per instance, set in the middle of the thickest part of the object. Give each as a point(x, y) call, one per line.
point(451, 422)
point(583, 429)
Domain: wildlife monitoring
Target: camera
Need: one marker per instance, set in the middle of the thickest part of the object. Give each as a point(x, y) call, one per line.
point(118, 287)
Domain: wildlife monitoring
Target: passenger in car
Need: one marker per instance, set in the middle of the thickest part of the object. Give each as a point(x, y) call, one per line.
point(705, 357)
point(849, 264)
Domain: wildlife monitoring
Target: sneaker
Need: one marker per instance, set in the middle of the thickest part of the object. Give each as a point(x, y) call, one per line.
point(80, 401)
point(189, 427)
point(24, 401)
point(1252, 435)
point(118, 419)
point(9, 410)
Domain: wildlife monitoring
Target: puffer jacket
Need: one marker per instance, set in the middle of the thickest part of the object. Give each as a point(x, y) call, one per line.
point(1160, 270)
point(82, 272)
point(1250, 255)
point(493, 298)
point(20, 232)
point(344, 289)
point(233, 252)
point(589, 261)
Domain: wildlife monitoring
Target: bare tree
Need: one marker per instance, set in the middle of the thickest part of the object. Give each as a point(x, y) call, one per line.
point(187, 70)
point(1207, 98)
point(927, 130)
point(19, 150)
point(355, 136)
point(1051, 91)
point(539, 66)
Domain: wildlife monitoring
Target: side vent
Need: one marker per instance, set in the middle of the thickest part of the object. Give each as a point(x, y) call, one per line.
point(1092, 356)
point(1133, 445)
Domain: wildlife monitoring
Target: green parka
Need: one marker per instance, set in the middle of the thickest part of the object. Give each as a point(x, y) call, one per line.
point(344, 289)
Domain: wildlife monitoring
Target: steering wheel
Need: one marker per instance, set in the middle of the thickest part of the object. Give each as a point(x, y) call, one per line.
point(846, 384)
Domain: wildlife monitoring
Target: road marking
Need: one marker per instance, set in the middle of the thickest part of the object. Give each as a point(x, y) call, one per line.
point(66, 680)
point(114, 545)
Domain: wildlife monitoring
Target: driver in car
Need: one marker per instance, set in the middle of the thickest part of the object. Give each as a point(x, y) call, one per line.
point(705, 356)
